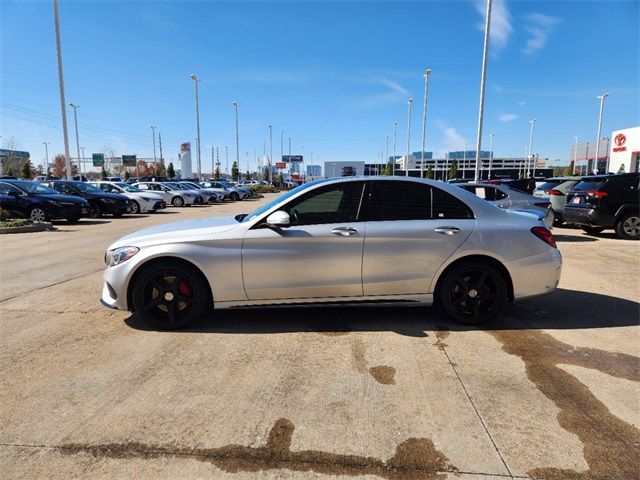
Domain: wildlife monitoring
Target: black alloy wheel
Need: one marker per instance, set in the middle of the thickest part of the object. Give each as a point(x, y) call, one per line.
point(170, 295)
point(473, 293)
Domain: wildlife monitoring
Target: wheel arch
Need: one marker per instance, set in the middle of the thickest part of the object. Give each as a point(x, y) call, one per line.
point(627, 208)
point(159, 260)
point(476, 258)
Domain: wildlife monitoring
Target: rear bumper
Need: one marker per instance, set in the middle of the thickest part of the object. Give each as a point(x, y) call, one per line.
point(587, 216)
point(535, 275)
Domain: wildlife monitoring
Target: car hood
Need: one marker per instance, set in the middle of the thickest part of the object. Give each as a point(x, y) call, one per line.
point(190, 230)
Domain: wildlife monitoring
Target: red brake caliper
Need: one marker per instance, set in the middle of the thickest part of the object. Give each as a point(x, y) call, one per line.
point(184, 288)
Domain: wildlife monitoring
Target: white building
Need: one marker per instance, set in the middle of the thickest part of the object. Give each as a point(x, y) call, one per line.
point(624, 154)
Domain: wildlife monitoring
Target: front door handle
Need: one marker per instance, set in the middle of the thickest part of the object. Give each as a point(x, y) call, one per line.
point(447, 230)
point(344, 231)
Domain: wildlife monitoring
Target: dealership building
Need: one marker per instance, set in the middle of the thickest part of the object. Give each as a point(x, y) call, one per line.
point(624, 152)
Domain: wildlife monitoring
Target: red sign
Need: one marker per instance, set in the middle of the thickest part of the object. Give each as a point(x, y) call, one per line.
point(281, 165)
point(620, 139)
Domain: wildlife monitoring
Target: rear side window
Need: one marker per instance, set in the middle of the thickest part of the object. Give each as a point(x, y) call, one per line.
point(399, 201)
point(446, 205)
point(6, 189)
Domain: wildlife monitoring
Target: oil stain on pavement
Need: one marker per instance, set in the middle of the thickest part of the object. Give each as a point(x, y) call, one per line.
point(383, 374)
point(611, 445)
point(414, 459)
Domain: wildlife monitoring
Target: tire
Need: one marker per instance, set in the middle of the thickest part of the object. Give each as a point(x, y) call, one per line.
point(177, 201)
point(234, 196)
point(169, 295)
point(628, 226)
point(135, 210)
point(593, 230)
point(95, 211)
point(37, 214)
point(472, 293)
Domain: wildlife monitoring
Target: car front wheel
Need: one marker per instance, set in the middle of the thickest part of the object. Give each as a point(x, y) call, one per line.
point(177, 202)
point(37, 214)
point(628, 227)
point(169, 295)
point(234, 196)
point(135, 207)
point(473, 292)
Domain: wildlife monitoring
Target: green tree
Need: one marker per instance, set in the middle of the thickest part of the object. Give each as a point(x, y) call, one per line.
point(235, 173)
point(568, 170)
point(171, 173)
point(621, 169)
point(387, 170)
point(216, 174)
point(127, 175)
point(430, 172)
point(26, 170)
point(103, 173)
point(453, 171)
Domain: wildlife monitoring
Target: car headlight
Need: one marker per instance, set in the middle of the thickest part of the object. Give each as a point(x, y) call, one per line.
point(106, 200)
point(147, 199)
point(120, 255)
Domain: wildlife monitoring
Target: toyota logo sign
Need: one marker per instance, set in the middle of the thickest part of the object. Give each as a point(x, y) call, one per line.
point(620, 139)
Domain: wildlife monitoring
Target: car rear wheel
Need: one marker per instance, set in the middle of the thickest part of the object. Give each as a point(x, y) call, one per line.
point(628, 227)
point(593, 230)
point(95, 211)
point(37, 214)
point(234, 196)
point(177, 202)
point(169, 295)
point(473, 292)
point(135, 207)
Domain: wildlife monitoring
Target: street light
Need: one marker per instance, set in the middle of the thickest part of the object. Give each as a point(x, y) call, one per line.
point(235, 105)
point(386, 162)
point(46, 152)
point(63, 107)
point(153, 130)
point(75, 116)
point(595, 162)
point(531, 166)
point(270, 153)
point(409, 105)
point(195, 81)
point(395, 137)
point(491, 135)
point(575, 155)
point(427, 74)
point(483, 80)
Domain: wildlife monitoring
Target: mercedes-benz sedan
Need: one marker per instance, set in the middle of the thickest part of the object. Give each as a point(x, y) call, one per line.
point(353, 239)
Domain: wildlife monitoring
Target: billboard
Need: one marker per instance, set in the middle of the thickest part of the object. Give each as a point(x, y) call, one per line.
point(292, 158)
point(129, 160)
point(98, 159)
point(281, 165)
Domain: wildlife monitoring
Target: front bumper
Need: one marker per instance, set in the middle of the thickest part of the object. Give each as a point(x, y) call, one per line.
point(160, 205)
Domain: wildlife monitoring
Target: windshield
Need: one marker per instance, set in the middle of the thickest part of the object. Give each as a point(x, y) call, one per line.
point(32, 187)
point(86, 187)
point(192, 186)
point(275, 201)
point(126, 187)
point(176, 186)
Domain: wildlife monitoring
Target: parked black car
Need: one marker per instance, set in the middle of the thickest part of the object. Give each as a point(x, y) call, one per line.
point(32, 200)
point(606, 201)
point(101, 202)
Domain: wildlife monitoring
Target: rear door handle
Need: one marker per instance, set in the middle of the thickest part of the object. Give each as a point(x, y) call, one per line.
point(447, 230)
point(344, 231)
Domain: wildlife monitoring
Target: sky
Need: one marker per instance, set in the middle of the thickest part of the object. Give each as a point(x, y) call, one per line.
point(332, 76)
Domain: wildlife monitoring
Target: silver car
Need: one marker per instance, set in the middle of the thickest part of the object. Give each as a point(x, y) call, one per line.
point(352, 239)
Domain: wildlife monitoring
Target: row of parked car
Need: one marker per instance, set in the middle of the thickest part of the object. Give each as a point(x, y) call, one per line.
point(72, 200)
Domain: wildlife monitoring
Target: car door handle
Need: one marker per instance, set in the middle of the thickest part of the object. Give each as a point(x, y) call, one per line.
point(447, 230)
point(344, 231)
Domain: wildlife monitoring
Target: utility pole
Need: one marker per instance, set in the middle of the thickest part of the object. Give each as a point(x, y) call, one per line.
point(160, 142)
point(63, 107)
point(153, 131)
point(595, 162)
point(226, 155)
point(395, 137)
point(270, 153)
point(212, 160)
point(575, 155)
point(483, 81)
point(46, 152)
point(196, 80)
point(235, 104)
point(427, 74)
point(409, 104)
point(491, 135)
point(531, 163)
point(75, 116)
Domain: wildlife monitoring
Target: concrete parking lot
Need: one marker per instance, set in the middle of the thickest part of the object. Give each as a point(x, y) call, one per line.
point(549, 391)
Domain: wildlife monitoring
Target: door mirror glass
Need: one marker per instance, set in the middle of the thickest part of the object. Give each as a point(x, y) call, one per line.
point(278, 219)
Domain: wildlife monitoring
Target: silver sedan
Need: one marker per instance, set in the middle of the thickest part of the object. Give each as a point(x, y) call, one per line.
point(355, 239)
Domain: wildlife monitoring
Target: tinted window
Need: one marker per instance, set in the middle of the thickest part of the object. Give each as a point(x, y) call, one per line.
point(623, 183)
point(331, 204)
point(446, 205)
point(589, 184)
point(399, 201)
point(6, 189)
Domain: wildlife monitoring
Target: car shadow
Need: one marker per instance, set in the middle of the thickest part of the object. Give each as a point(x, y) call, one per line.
point(573, 239)
point(80, 222)
point(133, 216)
point(562, 309)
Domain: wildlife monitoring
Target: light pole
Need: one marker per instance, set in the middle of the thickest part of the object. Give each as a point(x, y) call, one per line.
point(531, 166)
point(491, 135)
point(153, 130)
point(226, 155)
point(487, 29)
point(409, 105)
point(595, 161)
point(46, 153)
point(63, 107)
point(235, 105)
point(75, 116)
point(395, 137)
point(82, 150)
point(270, 153)
point(195, 81)
point(290, 168)
point(575, 155)
point(386, 162)
point(464, 161)
point(427, 74)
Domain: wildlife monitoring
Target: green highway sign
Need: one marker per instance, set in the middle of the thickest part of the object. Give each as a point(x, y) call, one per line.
point(129, 160)
point(98, 159)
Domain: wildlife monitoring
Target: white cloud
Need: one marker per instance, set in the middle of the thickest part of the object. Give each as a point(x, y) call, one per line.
point(507, 117)
point(539, 27)
point(522, 103)
point(395, 94)
point(501, 27)
point(452, 139)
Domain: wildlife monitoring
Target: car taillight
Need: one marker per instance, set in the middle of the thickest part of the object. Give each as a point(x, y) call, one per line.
point(597, 193)
point(544, 234)
point(555, 193)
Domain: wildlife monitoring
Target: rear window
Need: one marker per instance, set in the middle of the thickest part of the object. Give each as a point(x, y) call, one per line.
point(548, 185)
point(589, 184)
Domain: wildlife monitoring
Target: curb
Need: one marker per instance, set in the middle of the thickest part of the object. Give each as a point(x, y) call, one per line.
point(36, 227)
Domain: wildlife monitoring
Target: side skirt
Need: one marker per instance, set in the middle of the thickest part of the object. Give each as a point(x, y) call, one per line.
point(421, 299)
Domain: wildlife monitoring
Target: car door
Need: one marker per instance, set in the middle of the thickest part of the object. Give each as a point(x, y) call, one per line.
point(318, 256)
point(10, 199)
point(412, 229)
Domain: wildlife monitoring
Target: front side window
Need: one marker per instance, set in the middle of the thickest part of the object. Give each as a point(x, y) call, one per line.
point(336, 203)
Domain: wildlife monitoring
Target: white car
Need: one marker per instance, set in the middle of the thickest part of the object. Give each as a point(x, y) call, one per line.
point(352, 239)
point(141, 201)
point(208, 194)
point(171, 193)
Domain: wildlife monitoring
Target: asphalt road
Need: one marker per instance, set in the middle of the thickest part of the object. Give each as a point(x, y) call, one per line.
point(549, 391)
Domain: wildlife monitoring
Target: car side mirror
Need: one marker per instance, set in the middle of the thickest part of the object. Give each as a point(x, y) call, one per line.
point(278, 219)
